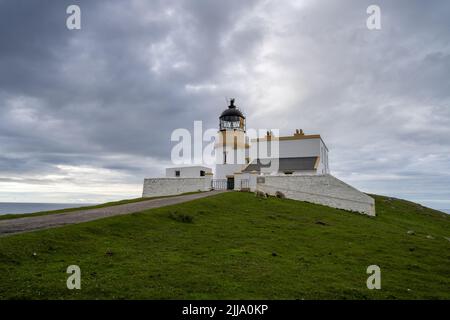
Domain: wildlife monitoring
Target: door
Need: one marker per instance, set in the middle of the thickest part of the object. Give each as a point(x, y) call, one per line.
point(230, 183)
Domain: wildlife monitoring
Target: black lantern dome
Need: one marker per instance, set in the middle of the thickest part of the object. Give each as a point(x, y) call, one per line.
point(232, 118)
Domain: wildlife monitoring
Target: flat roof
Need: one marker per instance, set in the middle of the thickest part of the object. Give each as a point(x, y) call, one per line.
point(295, 136)
point(285, 164)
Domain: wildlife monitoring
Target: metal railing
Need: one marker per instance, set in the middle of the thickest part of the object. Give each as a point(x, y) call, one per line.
point(219, 184)
point(225, 184)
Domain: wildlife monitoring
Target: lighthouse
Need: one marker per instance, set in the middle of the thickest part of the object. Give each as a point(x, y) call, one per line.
point(293, 166)
point(231, 148)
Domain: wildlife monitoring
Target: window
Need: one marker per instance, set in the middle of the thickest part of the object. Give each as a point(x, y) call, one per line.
point(287, 172)
point(224, 157)
point(177, 173)
point(260, 179)
point(202, 173)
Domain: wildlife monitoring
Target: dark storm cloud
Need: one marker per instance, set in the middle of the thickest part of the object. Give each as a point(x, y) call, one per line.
point(109, 95)
point(112, 86)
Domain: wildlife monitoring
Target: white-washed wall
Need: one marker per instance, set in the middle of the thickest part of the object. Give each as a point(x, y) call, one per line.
point(321, 189)
point(251, 180)
point(229, 169)
point(155, 187)
point(313, 147)
point(187, 172)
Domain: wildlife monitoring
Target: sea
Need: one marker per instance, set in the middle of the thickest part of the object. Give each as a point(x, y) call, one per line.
point(28, 207)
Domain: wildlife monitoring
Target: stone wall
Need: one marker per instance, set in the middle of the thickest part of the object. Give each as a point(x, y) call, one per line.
point(321, 189)
point(155, 187)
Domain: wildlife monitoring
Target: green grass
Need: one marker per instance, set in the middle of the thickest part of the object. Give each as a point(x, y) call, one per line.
point(97, 206)
point(236, 246)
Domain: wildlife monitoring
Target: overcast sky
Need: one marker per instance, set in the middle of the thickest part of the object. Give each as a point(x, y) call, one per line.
point(86, 114)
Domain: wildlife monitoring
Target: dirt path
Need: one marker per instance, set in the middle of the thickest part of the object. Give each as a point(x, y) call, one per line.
point(27, 224)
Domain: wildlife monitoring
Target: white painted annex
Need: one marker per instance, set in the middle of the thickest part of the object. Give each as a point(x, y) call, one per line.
point(187, 172)
point(297, 154)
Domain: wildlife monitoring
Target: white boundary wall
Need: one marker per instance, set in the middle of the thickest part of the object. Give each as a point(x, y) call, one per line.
point(251, 181)
point(321, 189)
point(156, 187)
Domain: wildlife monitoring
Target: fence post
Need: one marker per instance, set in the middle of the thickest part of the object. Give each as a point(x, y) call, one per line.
point(237, 181)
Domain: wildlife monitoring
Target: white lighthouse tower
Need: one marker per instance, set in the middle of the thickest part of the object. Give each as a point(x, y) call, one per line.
point(231, 148)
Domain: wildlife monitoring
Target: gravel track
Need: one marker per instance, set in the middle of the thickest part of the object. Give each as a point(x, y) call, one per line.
point(27, 224)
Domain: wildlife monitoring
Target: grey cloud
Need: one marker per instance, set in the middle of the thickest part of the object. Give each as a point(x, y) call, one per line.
point(109, 95)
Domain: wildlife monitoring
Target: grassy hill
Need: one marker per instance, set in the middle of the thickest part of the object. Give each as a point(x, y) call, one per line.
point(97, 206)
point(236, 246)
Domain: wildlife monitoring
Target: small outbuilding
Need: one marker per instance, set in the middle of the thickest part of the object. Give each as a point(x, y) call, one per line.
point(188, 172)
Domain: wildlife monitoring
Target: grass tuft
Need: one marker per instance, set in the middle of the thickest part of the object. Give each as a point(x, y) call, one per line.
point(185, 218)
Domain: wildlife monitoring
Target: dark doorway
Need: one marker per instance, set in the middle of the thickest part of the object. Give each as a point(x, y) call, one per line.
point(230, 183)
